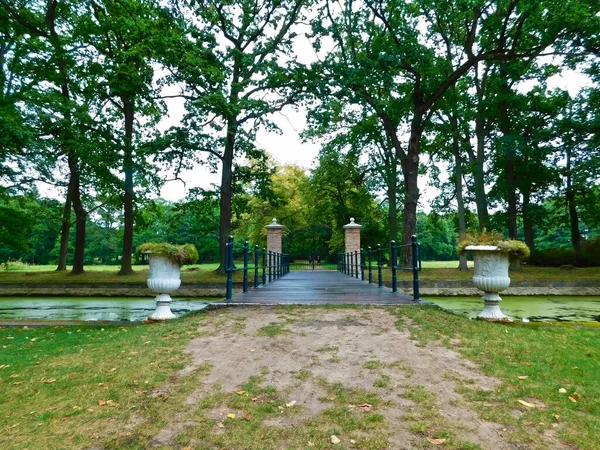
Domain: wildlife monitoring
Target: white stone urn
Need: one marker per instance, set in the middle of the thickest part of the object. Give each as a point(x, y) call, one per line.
point(164, 280)
point(491, 276)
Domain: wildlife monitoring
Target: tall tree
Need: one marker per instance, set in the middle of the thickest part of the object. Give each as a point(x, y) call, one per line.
point(131, 37)
point(255, 42)
point(386, 57)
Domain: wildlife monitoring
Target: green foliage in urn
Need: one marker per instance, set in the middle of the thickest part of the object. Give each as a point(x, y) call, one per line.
point(516, 250)
point(180, 254)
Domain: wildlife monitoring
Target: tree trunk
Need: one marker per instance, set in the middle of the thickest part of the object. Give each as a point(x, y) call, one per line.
point(573, 215)
point(126, 267)
point(479, 172)
point(410, 171)
point(226, 192)
point(392, 192)
point(80, 217)
point(458, 182)
point(527, 221)
point(508, 148)
point(63, 252)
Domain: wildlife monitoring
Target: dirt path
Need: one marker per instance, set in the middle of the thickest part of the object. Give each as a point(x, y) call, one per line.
point(303, 352)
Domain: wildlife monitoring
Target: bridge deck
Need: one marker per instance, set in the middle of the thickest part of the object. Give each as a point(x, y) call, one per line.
point(320, 287)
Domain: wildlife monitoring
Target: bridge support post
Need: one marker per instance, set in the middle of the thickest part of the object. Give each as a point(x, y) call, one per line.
point(274, 237)
point(352, 243)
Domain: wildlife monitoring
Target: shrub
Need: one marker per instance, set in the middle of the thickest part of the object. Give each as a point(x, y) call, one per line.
point(556, 257)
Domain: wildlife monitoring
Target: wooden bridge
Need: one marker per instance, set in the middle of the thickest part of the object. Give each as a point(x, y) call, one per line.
point(320, 287)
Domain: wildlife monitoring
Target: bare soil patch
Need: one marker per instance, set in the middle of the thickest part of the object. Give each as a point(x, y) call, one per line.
point(305, 354)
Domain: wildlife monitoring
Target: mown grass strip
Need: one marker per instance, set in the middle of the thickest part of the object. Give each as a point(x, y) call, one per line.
point(535, 364)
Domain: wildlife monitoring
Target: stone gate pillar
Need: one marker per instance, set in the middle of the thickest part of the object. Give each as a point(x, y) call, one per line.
point(274, 237)
point(352, 236)
point(352, 245)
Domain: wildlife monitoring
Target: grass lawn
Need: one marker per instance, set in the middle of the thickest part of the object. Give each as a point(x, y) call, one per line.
point(124, 388)
point(432, 270)
point(106, 274)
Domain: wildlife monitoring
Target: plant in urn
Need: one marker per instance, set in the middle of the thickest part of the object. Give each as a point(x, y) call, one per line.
point(165, 267)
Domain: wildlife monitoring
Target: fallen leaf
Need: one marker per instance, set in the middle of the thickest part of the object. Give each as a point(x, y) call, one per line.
point(64, 419)
point(113, 369)
point(436, 441)
point(335, 439)
point(523, 377)
point(240, 392)
point(14, 375)
point(101, 402)
point(524, 403)
point(222, 411)
point(220, 425)
point(562, 391)
point(231, 415)
point(51, 380)
point(311, 444)
point(290, 404)
point(576, 396)
point(36, 392)
point(254, 399)
point(366, 406)
point(187, 448)
point(248, 417)
point(573, 399)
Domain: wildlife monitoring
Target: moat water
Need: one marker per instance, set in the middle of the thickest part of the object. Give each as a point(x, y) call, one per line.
point(113, 309)
point(127, 309)
point(532, 308)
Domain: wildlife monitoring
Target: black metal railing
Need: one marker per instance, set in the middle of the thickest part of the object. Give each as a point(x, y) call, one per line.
point(272, 264)
point(356, 263)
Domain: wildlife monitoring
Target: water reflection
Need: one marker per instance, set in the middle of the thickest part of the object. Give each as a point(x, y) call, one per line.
point(88, 309)
point(533, 308)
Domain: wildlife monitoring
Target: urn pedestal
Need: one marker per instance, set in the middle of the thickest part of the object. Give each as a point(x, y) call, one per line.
point(491, 276)
point(164, 280)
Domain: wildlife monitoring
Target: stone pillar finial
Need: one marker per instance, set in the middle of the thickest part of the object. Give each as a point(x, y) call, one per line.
point(352, 236)
point(274, 236)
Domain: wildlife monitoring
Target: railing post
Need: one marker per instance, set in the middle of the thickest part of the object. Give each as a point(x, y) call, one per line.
point(370, 253)
point(229, 268)
point(256, 266)
point(362, 264)
point(356, 262)
point(264, 266)
point(415, 259)
point(394, 256)
point(246, 249)
point(270, 265)
point(379, 262)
